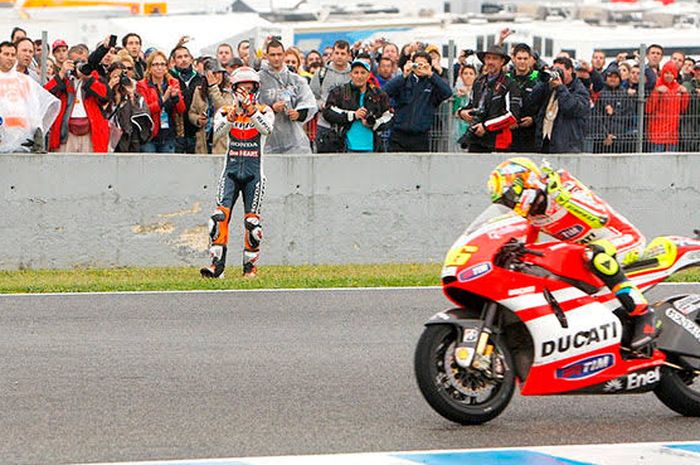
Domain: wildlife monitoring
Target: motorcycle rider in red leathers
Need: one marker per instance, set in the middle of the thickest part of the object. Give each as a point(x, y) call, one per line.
point(247, 123)
point(559, 205)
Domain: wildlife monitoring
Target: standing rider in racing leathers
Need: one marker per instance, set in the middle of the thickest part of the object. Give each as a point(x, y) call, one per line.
point(247, 123)
point(564, 208)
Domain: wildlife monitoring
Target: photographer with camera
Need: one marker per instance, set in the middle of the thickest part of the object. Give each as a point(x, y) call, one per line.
point(494, 105)
point(81, 126)
point(207, 99)
point(564, 109)
point(131, 124)
point(418, 93)
point(360, 109)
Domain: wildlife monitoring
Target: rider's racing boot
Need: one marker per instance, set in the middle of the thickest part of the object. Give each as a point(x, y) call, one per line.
point(218, 263)
point(250, 258)
point(643, 331)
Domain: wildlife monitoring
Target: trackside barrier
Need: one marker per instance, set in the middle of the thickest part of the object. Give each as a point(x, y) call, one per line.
point(62, 211)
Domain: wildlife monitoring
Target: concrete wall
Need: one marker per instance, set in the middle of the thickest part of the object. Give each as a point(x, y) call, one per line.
point(61, 211)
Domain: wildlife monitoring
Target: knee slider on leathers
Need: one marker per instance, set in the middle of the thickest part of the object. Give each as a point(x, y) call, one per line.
point(253, 232)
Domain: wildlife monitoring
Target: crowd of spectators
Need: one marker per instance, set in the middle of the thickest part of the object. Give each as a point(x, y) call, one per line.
point(366, 97)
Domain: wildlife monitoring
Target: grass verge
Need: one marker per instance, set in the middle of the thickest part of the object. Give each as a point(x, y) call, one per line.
point(270, 277)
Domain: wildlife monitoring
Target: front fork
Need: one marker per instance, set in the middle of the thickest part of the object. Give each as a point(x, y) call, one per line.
point(473, 349)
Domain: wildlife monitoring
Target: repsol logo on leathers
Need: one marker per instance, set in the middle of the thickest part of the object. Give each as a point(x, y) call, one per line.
point(580, 339)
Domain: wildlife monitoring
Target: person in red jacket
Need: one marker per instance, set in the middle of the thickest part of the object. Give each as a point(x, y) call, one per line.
point(81, 126)
point(164, 100)
point(666, 103)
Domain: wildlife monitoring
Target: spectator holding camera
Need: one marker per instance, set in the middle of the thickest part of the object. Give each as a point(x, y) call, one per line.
point(81, 126)
point(290, 98)
point(666, 103)
point(164, 100)
point(418, 92)
point(564, 109)
point(131, 124)
point(207, 99)
point(493, 107)
point(360, 109)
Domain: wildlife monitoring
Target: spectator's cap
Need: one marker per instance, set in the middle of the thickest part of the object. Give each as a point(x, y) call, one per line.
point(697, 65)
point(359, 63)
point(58, 43)
point(613, 70)
point(235, 61)
point(432, 48)
point(213, 65)
point(493, 50)
point(149, 51)
point(578, 66)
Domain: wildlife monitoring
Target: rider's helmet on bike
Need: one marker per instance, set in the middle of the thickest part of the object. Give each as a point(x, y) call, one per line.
point(518, 184)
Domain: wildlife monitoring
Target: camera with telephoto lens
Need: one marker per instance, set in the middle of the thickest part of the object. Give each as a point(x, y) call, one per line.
point(478, 117)
point(552, 74)
point(84, 68)
point(371, 119)
point(468, 52)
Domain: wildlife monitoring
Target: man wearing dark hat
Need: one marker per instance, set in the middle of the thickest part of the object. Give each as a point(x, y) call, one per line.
point(526, 79)
point(494, 105)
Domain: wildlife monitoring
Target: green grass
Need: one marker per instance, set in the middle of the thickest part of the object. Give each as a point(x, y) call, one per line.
point(270, 277)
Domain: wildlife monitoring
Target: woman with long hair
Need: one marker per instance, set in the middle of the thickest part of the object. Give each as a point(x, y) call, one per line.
point(164, 99)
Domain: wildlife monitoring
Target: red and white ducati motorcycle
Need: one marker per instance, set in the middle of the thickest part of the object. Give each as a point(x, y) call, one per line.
point(535, 314)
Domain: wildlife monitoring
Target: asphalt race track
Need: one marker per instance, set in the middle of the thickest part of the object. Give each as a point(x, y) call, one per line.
point(119, 377)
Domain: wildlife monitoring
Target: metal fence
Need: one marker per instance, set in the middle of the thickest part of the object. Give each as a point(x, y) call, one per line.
point(670, 123)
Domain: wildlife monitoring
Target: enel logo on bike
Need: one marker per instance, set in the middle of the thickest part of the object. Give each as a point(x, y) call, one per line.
point(586, 367)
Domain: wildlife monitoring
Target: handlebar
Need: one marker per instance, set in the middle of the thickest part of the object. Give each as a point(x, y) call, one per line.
point(512, 251)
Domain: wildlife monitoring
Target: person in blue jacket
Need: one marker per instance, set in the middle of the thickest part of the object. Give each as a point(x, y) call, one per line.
point(418, 92)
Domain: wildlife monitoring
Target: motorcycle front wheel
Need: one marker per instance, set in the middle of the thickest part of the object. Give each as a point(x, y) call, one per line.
point(465, 396)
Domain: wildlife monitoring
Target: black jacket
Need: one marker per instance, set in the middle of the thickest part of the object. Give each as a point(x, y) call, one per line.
point(497, 104)
point(343, 101)
point(572, 118)
point(188, 87)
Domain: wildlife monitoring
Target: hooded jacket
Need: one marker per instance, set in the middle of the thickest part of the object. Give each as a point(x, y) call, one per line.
point(323, 82)
point(289, 136)
point(664, 108)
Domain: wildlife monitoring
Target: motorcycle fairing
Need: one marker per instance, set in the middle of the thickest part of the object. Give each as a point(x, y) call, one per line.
point(681, 332)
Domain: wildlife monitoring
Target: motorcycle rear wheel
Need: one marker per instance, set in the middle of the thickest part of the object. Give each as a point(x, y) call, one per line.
point(446, 392)
point(679, 391)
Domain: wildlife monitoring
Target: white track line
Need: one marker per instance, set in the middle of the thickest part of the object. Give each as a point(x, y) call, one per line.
point(290, 290)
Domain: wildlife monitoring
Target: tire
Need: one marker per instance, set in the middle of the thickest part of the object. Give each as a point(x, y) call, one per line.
point(679, 391)
point(443, 395)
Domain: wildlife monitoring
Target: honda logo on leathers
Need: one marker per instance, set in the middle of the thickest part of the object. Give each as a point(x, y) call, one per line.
point(580, 339)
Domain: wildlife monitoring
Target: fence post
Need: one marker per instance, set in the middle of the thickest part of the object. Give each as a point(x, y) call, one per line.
point(451, 49)
point(640, 97)
point(46, 49)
